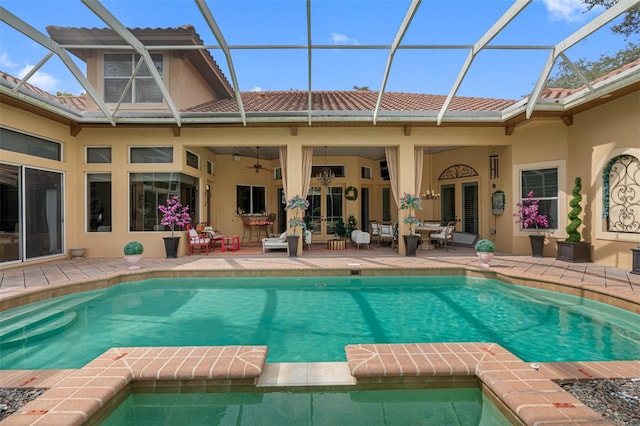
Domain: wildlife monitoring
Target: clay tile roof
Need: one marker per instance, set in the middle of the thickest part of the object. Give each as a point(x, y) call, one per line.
point(289, 101)
point(74, 102)
point(559, 93)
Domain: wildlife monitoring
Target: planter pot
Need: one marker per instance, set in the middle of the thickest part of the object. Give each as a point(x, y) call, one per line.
point(411, 244)
point(76, 253)
point(485, 257)
point(133, 260)
point(292, 240)
point(573, 252)
point(635, 267)
point(537, 244)
point(171, 246)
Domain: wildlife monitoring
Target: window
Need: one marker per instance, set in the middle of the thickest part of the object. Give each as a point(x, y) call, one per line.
point(251, 199)
point(99, 202)
point(337, 170)
point(386, 204)
point(621, 194)
point(118, 70)
point(544, 185)
point(365, 172)
point(193, 160)
point(98, 154)
point(277, 173)
point(149, 190)
point(156, 154)
point(210, 167)
point(30, 145)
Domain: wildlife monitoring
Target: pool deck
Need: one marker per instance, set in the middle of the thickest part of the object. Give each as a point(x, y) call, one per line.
point(518, 385)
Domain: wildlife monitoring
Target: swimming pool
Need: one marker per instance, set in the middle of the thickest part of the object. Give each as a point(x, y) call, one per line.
point(312, 319)
point(463, 407)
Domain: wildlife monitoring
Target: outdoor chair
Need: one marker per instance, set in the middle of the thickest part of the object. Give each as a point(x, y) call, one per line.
point(274, 243)
point(198, 241)
point(386, 233)
point(446, 235)
point(360, 237)
point(374, 230)
point(307, 239)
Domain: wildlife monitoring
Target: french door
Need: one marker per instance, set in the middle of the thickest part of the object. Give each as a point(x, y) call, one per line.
point(325, 209)
point(463, 209)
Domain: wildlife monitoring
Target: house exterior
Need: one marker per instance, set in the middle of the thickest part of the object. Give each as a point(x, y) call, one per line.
point(90, 171)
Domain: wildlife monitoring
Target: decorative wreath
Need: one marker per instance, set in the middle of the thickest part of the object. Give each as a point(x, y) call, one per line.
point(351, 193)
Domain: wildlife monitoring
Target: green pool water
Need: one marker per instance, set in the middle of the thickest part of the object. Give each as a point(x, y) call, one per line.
point(462, 407)
point(312, 318)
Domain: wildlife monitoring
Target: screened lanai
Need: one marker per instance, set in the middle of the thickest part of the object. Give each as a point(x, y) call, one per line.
point(456, 51)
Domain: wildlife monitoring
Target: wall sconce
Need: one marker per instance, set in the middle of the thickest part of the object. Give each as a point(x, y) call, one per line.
point(494, 165)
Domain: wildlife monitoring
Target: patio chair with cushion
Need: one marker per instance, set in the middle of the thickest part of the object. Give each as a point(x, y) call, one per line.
point(198, 241)
point(374, 230)
point(445, 235)
point(386, 233)
point(360, 237)
point(274, 243)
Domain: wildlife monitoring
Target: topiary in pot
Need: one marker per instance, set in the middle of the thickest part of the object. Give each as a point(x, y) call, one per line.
point(133, 253)
point(484, 251)
point(572, 249)
point(576, 209)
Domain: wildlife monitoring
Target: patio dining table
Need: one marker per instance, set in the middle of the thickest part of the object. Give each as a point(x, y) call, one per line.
point(426, 229)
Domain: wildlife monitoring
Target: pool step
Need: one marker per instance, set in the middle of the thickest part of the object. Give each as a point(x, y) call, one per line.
point(25, 319)
point(54, 324)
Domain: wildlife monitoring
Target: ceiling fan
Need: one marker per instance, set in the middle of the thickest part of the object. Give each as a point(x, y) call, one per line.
point(258, 166)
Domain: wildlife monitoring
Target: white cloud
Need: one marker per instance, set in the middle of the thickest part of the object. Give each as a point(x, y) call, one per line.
point(338, 38)
point(566, 10)
point(40, 79)
point(256, 89)
point(6, 62)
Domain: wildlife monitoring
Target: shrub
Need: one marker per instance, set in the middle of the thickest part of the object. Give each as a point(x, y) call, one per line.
point(485, 246)
point(133, 247)
point(576, 209)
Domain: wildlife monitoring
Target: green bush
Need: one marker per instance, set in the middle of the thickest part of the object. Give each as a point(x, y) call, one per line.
point(133, 247)
point(485, 246)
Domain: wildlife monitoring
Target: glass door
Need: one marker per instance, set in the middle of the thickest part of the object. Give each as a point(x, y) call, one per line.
point(43, 213)
point(10, 213)
point(325, 209)
point(448, 204)
point(470, 207)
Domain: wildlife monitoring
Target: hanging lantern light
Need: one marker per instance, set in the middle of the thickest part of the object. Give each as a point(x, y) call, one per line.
point(326, 175)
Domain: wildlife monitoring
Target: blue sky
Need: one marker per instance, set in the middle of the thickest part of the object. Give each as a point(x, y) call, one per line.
point(508, 74)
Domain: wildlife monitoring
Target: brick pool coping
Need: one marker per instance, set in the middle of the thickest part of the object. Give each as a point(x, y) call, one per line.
point(526, 395)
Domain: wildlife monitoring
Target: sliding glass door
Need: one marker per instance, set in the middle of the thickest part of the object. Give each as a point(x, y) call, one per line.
point(31, 213)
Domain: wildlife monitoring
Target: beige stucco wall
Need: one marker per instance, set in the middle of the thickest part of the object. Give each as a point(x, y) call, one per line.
point(595, 135)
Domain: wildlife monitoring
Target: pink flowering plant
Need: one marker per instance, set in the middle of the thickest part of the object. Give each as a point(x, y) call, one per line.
point(174, 213)
point(528, 214)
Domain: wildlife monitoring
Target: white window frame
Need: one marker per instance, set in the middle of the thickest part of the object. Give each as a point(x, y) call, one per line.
point(186, 156)
point(600, 161)
point(561, 165)
point(210, 169)
point(86, 153)
point(370, 171)
point(164, 73)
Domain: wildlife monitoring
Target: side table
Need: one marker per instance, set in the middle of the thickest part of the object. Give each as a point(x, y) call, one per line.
point(231, 241)
point(337, 245)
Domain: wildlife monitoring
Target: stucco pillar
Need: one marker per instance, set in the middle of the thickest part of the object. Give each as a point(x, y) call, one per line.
point(294, 184)
point(406, 183)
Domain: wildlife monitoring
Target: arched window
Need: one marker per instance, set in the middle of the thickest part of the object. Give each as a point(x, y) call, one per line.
point(621, 194)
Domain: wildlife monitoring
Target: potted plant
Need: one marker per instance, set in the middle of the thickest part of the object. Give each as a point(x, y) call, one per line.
point(635, 267)
point(173, 214)
point(352, 224)
point(133, 253)
point(572, 249)
point(484, 251)
point(410, 202)
point(295, 204)
point(528, 215)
